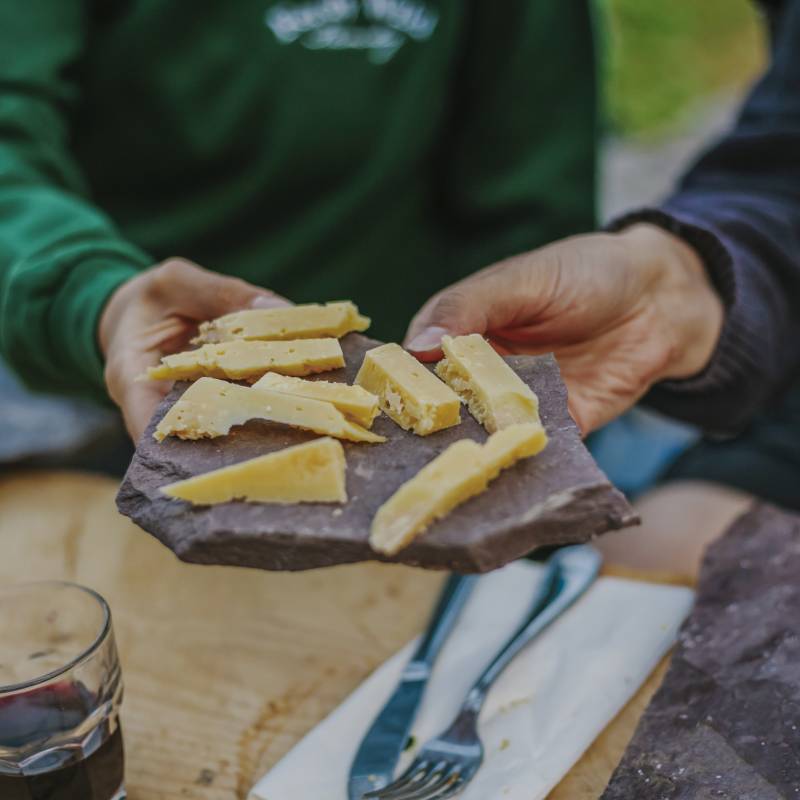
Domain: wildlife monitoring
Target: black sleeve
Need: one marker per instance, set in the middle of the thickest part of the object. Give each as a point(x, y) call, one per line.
point(739, 207)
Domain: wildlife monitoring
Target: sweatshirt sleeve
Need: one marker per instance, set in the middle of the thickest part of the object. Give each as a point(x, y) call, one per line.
point(739, 207)
point(60, 256)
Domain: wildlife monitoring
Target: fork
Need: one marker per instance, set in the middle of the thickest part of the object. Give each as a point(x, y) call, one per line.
point(448, 762)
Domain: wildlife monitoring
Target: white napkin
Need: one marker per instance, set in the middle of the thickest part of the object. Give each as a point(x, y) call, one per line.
point(544, 711)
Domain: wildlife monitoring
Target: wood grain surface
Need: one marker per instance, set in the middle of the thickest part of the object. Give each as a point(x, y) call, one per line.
point(226, 668)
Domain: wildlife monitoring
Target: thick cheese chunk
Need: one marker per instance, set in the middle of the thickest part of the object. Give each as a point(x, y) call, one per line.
point(414, 398)
point(243, 360)
point(353, 401)
point(211, 407)
point(287, 322)
point(313, 472)
point(462, 471)
point(495, 395)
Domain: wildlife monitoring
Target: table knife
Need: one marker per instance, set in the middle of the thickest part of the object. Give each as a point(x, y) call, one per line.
point(374, 764)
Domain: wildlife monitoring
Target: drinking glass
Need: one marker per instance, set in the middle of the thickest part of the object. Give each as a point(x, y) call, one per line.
point(60, 693)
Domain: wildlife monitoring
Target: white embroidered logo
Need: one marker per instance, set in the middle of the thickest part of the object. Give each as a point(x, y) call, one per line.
point(380, 27)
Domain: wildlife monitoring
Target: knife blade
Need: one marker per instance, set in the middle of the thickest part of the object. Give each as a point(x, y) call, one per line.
point(377, 756)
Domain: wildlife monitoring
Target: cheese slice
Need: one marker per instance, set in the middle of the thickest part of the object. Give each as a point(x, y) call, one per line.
point(462, 471)
point(211, 407)
point(313, 472)
point(243, 360)
point(413, 397)
point(287, 322)
point(353, 401)
point(495, 395)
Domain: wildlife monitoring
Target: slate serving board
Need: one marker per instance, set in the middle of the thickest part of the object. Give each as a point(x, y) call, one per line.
point(559, 496)
point(725, 724)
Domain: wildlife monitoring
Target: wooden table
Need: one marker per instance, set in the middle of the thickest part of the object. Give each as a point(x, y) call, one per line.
point(225, 669)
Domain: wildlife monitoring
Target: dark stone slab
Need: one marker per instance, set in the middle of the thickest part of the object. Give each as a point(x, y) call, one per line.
point(559, 496)
point(726, 722)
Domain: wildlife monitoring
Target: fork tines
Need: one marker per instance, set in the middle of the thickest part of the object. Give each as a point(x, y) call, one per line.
point(424, 780)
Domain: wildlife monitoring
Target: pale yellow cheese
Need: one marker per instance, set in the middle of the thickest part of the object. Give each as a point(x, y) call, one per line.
point(495, 395)
point(244, 360)
point(462, 471)
point(211, 407)
point(414, 398)
point(287, 322)
point(353, 401)
point(313, 472)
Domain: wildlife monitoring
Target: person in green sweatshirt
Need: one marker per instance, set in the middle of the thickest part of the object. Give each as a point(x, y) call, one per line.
point(163, 163)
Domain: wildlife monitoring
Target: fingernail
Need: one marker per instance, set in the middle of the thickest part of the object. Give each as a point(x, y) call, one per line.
point(429, 339)
point(267, 301)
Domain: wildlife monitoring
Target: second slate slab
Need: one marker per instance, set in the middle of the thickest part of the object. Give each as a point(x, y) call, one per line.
point(557, 497)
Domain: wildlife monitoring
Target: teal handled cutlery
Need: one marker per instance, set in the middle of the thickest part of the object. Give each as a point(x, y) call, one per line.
point(447, 763)
point(380, 749)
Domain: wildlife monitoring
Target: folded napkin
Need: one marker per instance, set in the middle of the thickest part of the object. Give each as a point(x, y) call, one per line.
point(544, 711)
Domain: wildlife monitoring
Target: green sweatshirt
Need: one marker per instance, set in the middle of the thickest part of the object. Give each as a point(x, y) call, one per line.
point(375, 150)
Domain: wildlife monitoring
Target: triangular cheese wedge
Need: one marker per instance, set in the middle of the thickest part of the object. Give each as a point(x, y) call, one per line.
point(313, 472)
point(211, 407)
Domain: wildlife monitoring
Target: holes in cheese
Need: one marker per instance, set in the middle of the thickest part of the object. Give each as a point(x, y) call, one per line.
point(353, 401)
point(462, 471)
point(244, 360)
point(495, 395)
point(287, 322)
point(211, 407)
point(313, 472)
point(414, 398)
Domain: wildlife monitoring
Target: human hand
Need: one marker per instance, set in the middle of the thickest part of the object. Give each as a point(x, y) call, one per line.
point(155, 313)
point(620, 311)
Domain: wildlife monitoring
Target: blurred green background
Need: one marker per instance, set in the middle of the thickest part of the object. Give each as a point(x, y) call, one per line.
point(664, 58)
point(673, 72)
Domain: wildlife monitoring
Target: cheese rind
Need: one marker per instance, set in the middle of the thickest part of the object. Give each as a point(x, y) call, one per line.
point(461, 471)
point(244, 360)
point(353, 401)
point(413, 397)
point(308, 321)
point(211, 407)
point(495, 395)
point(313, 472)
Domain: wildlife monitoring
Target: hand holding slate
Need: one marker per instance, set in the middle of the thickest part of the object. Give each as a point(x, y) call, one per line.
point(560, 496)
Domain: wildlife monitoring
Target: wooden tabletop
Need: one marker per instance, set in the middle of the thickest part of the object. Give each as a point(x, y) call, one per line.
point(226, 668)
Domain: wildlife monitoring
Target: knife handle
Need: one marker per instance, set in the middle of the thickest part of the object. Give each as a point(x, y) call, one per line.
point(456, 591)
point(569, 573)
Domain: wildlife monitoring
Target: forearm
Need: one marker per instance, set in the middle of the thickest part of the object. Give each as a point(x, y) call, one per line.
point(60, 260)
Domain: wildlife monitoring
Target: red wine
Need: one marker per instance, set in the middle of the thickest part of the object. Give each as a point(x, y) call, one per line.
point(40, 716)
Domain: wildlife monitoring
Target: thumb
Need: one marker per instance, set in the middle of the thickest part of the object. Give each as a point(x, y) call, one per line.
point(200, 294)
point(478, 304)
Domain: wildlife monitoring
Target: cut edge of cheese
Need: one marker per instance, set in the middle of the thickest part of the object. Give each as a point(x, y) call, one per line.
point(354, 402)
point(408, 393)
point(211, 407)
point(460, 472)
point(494, 394)
point(249, 360)
point(307, 321)
point(312, 472)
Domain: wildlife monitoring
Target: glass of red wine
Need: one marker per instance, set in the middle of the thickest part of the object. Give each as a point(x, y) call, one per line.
point(60, 693)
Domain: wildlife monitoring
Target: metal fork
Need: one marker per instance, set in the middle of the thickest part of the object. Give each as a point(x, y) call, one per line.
point(448, 762)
